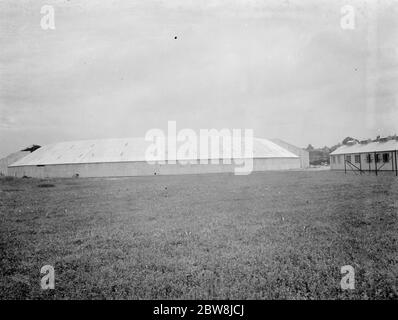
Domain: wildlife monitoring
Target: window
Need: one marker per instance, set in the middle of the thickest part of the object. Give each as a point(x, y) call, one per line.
point(386, 157)
point(377, 159)
point(338, 159)
point(369, 158)
point(348, 158)
point(333, 159)
point(357, 158)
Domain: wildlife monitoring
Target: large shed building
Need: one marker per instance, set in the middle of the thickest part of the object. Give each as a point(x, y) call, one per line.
point(378, 155)
point(127, 157)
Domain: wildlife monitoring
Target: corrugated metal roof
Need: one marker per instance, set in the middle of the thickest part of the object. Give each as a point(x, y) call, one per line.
point(122, 150)
point(375, 146)
point(263, 148)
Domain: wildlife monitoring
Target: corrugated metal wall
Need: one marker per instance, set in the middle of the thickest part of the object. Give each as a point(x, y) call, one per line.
point(303, 154)
point(141, 168)
point(337, 162)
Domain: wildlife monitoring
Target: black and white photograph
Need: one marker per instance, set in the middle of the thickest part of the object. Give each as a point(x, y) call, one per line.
point(206, 151)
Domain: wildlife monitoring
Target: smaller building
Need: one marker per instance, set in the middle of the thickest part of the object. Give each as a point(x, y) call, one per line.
point(378, 155)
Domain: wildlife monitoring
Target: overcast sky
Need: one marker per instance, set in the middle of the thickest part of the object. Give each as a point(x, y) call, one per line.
point(115, 69)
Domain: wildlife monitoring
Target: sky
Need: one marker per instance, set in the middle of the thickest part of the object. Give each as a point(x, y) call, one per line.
point(114, 69)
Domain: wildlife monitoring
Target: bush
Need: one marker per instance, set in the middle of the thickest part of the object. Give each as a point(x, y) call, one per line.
point(45, 185)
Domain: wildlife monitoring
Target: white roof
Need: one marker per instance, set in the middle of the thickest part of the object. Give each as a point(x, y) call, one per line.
point(122, 150)
point(374, 146)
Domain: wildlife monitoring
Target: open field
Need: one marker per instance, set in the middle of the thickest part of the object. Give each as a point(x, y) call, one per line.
point(266, 235)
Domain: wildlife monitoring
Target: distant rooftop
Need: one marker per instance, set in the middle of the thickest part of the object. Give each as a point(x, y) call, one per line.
point(367, 146)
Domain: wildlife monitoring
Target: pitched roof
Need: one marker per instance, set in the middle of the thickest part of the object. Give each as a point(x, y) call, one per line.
point(374, 146)
point(123, 150)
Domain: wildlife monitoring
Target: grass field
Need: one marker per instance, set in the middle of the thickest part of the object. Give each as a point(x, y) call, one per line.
point(269, 235)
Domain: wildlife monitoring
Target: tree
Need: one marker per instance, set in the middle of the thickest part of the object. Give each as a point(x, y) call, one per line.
point(310, 148)
point(348, 139)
